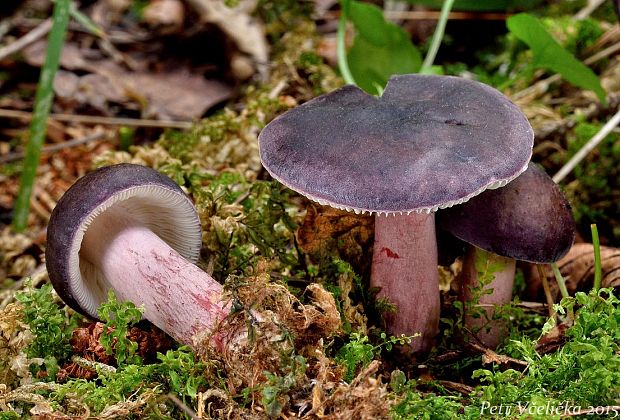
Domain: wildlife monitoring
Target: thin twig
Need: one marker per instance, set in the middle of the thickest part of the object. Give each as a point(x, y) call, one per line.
point(5, 27)
point(188, 411)
point(90, 119)
point(533, 306)
point(54, 147)
point(431, 15)
point(489, 356)
point(545, 284)
point(458, 387)
point(93, 365)
point(31, 37)
point(604, 53)
point(587, 148)
point(588, 9)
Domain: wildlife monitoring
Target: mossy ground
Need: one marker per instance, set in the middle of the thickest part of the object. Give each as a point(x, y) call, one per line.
point(297, 274)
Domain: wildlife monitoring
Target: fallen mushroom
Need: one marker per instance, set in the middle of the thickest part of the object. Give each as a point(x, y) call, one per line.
point(429, 142)
point(528, 220)
point(132, 229)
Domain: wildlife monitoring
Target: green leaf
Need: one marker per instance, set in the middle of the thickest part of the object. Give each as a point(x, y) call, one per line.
point(549, 54)
point(369, 22)
point(380, 48)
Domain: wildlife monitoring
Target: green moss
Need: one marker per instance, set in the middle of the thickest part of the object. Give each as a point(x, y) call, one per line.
point(415, 405)
point(358, 352)
point(118, 317)
point(248, 222)
point(49, 324)
point(177, 371)
point(584, 372)
point(575, 35)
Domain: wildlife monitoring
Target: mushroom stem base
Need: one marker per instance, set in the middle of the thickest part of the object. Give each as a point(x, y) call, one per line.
point(489, 331)
point(404, 267)
point(177, 296)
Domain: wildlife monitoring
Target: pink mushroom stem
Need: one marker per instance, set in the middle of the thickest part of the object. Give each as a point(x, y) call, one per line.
point(404, 267)
point(177, 296)
point(490, 332)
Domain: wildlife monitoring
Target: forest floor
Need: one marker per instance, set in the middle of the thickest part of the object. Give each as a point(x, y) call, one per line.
point(185, 87)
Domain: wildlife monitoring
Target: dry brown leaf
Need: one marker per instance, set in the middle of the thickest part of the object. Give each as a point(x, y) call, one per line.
point(365, 398)
point(167, 13)
point(72, 58)
point(327, 232)
point(553, 340)
point(237, 22)
point(108, 12)
point(66, 84)
point(577, 268)
point(176, 94)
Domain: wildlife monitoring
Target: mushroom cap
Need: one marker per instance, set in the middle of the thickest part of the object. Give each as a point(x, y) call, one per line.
point(429, 142)
point(529, 219)
point(151, 199)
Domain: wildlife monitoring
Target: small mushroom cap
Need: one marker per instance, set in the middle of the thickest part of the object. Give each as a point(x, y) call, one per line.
point(429, 142)
point(529, 219)
point(151, 199)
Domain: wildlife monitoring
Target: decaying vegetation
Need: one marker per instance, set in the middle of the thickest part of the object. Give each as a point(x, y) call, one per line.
point(297, 273)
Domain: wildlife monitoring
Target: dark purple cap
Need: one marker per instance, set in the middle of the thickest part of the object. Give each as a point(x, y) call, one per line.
point(529, 219)
point(429, 142)
point(151, 199)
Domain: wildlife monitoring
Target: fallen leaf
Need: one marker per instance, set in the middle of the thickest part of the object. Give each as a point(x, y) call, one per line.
point(177, 94)
point(164, 13)
point(237, 22)
point(577, 268)
point(71, 58)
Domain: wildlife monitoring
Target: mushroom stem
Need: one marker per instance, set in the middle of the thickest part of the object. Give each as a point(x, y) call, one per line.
point(490, 332)
point(177, 296)
point(404, 267)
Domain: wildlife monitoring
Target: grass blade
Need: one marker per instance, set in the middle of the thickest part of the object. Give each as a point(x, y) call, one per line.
point(85, 21)
point(343, 64)
point(437, 37)
point(560, 279)
point(597, 258)
point(43, 103)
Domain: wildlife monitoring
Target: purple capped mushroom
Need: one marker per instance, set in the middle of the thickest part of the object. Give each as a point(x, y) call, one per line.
point(129, 228)
point(527, 220)
point(428, 143)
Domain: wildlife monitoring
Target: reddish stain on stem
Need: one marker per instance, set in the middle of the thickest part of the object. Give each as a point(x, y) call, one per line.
point(208, 304)
point(390, 253)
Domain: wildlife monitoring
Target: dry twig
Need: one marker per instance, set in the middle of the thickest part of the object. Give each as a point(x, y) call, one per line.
point(34, 35)
point(54, 147)
point(90, 119)
point(588, 147)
